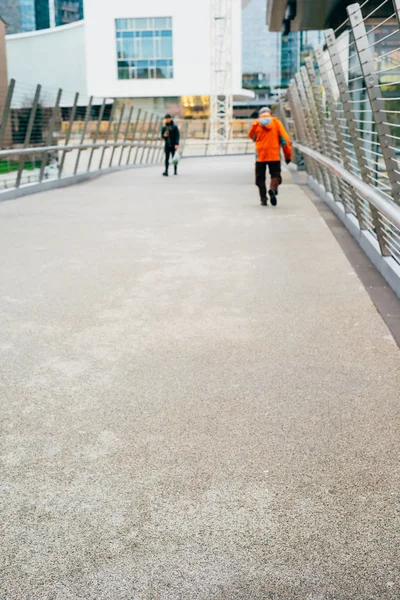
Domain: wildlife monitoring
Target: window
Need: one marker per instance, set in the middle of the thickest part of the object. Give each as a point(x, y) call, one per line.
point(144, 48)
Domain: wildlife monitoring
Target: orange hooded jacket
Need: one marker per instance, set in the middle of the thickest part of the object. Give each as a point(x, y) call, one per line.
point(269, 135)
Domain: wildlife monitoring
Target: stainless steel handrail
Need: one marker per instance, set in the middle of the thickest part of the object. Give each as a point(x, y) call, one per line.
point(385, 206)
point(69, 147)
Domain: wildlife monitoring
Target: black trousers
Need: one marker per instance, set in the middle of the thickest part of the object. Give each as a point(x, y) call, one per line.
point(169, 151)
point(261, 173)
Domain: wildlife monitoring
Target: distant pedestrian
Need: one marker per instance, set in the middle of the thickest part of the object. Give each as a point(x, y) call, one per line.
point(269, 135)
point(171, 136)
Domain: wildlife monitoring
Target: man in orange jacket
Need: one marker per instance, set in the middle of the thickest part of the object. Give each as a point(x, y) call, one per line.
point(269, 135)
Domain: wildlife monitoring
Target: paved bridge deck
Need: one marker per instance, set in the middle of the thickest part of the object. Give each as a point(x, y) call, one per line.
point(198, 397)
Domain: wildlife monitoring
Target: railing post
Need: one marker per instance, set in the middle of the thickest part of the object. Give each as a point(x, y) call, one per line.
point(161, 146)
point(110, 122)
point(147, 137)
point(308, 127)
point(140, 137)
point(133, 136)
point(28, 133)
point(317, 126)
point(374, 95)
point(85, 124)
point(116, 135)
point(97, 132)
point(344, 94)
point(126, 135)
point(319, 54)
point(68, 134)
point(150, 139)
point(6, 112)
point(299, 121)
point(156, 128)
point(50, 134)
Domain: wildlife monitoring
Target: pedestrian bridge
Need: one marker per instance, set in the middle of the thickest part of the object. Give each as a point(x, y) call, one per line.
point(199, 395)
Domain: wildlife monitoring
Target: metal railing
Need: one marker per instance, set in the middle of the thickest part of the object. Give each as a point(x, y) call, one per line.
point(55, 135)
point(343, 109)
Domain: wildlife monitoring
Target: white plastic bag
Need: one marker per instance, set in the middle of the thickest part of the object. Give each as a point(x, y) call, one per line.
point(176, 159)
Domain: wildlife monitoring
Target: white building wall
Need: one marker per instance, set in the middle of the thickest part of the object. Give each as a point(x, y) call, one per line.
point(52, 57)
point(191, 47)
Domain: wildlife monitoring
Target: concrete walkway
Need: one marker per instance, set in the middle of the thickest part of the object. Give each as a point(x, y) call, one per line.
point(199, 399)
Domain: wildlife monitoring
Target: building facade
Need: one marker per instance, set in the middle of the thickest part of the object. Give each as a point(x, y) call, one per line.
point(32, 15)
point(152, 52)
point(270, 59)
point(155, 49)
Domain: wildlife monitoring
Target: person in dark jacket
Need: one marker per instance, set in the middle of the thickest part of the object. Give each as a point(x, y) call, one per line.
point(171, 136)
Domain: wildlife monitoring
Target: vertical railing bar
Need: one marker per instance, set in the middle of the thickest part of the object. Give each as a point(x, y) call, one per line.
point(157, 126)
point(145, 114)
point(111, 119)
point(308, 75)
point(50, 134)
point(319, 54)
point(6, 111)
point(299, 120)
point(374, 93)
point(84, 128)
point(68, 134)
point(134, 136)
point(97, 132)
point(116, 135)
point(149, 139)
point(146, 138)
point(351, 122)
point(28, 133)
point(308, 122)
point(125, 135)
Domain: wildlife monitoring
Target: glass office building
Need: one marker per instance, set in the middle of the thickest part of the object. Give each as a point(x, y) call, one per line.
point(144, 48)
point(30, 15)
point(28, 18)
point(261, 48)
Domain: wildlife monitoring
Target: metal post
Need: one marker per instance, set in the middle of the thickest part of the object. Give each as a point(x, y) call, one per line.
point(85, 124)
point(134, 136)
point(161, 147)
point(107, 135)
point(97, 132)
point(344, 94)
point(116, 135)
point(319, 54)
point(6, 112)
point(50, 134)
point(374, 94)
point(156, 128)
point(69, 132)
point(318, 127)
point(299, 120)
point(140, 137)
point(320, 118)
point(146, 138)
point(150, 138)
point(28, 134)
point(313, 139)
point(126, 135)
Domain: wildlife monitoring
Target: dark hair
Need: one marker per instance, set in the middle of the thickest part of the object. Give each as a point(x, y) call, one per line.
point(167, 117)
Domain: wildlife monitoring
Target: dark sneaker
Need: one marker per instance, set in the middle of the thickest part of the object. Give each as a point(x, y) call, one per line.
point(273, 198)
point(165, 174)
point(263, 201)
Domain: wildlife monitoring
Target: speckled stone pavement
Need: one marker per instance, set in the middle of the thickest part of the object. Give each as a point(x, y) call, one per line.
point(198, 397)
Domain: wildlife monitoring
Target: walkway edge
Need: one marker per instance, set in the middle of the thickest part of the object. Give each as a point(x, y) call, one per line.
point(385, 265)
